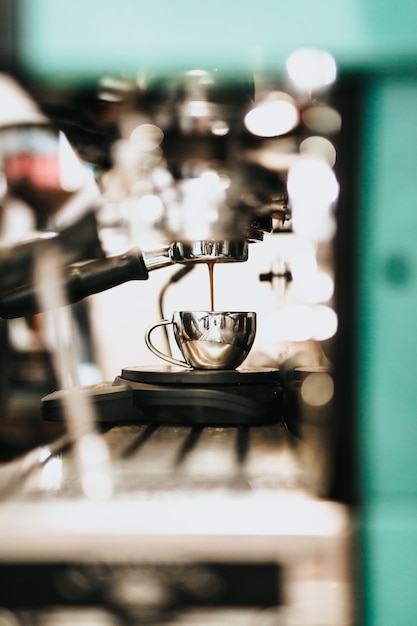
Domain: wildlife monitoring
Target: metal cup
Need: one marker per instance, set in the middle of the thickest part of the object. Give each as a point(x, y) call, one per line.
point(209, 340)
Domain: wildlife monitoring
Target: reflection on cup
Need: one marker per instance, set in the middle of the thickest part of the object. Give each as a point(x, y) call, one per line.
point(216, 340)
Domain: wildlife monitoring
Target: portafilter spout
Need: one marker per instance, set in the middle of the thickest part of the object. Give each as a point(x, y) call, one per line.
point(224, 251)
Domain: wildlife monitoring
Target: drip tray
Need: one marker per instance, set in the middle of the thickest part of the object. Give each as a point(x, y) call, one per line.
point(180, 396)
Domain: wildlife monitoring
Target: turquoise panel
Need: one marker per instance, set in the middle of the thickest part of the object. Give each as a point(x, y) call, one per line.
point(390, 565)
point(387, 368)
point(84, 38)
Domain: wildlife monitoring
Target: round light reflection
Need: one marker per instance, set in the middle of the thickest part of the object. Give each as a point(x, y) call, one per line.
point(314, 288)
point(302, 322)
point(312, 181)
point(146, 137)
point(311, 69)
point(325, 323)
point(317, 389)
point(149, 209)
point(320, 148)
point(322, 119)
point(273, 118)
point(220, 128)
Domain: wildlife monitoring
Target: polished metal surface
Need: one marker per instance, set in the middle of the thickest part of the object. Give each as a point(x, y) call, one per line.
point(211, 340)
point(157, 259)
point(224, 251)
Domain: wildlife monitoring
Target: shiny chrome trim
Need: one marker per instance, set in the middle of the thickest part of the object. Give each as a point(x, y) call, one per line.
point(224, 251)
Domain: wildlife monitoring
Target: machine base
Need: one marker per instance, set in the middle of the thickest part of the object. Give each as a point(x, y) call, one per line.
point(179, 396)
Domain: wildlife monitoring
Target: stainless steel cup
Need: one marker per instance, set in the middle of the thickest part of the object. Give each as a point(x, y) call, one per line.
point(209, 340)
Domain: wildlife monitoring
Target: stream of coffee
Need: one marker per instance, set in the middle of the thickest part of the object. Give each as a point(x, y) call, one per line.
point(210, 265)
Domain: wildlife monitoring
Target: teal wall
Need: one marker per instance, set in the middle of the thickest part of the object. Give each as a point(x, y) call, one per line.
point(387, 367)
point(79, 40)
point(388, 288)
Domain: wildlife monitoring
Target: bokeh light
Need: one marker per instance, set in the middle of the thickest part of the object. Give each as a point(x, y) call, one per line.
point(317, 389)
point(274, 116)
point(311, 69)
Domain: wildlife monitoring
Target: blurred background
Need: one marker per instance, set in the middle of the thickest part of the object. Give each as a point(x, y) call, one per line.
point(292, 128)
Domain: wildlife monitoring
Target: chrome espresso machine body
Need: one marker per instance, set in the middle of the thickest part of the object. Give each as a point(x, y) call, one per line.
point(173, 495)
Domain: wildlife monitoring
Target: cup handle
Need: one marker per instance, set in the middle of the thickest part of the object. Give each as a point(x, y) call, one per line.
point(157, 352)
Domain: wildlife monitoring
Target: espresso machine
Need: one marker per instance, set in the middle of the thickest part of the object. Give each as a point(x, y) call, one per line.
point(177, 495)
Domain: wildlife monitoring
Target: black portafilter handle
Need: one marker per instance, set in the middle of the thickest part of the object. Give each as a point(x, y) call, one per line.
point(79, 281)
point(78, 242)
